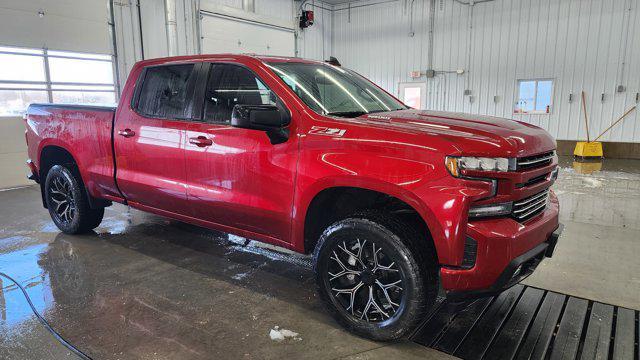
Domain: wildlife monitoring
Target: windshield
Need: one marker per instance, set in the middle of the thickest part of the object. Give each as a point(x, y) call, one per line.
point(331, 90)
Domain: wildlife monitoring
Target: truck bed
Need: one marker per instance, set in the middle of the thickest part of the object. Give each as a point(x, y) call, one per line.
point(85, 131)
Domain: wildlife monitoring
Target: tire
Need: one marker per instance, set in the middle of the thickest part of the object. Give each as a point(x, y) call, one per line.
point(67, 201)
point(401, 254)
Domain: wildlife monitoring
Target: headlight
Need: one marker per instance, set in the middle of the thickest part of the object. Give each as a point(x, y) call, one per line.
point(490, 210)
point(455, 164)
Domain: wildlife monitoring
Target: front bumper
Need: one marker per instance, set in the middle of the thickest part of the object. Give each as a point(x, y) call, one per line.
point(507, 252)
point(517, 270)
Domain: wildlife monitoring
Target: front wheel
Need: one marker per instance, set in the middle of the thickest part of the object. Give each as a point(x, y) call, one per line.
point(67, 202)
point(376, 274)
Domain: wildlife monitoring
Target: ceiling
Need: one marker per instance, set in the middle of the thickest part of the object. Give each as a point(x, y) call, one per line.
point(335, 2)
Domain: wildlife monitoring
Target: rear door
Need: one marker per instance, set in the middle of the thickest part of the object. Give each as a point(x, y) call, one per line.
point(236, 177)
point(149, 139)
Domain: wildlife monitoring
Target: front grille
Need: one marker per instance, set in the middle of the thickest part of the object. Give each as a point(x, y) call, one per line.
point(529, 207)
point(534, 161)
point(533, 181)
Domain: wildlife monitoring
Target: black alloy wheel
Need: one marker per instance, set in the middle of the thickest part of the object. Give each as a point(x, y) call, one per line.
point(67, 201)
point(61, 196)
point(365, 281)
point(376, 274)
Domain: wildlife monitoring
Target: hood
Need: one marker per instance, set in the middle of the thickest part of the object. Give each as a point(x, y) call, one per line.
point(470, 134)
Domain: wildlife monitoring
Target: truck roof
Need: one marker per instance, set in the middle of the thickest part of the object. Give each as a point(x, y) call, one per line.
point(218, 57)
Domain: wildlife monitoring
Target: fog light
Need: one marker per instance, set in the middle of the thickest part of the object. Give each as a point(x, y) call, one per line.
point(490, 210)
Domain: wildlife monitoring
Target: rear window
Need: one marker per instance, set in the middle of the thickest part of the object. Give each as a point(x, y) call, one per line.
point(166, 92)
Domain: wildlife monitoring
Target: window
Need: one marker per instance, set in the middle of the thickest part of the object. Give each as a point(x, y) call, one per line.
point(230, 85)
point(165, 91)
point(332, 90)
point(534, 97)
point(41, 75)
point(413, 95)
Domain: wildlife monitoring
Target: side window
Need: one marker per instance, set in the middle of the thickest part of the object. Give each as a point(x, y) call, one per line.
point(165, 91)
point(231, 85)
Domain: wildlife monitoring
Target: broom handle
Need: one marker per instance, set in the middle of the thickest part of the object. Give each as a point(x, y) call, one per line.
point(586, 120)
point(617, 121)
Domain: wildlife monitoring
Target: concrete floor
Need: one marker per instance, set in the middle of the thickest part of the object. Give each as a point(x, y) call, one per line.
point(144, 287)
point(597, 255)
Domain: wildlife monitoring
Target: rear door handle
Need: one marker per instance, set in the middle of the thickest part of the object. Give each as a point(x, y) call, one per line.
point(200, 141)
point(126, 133)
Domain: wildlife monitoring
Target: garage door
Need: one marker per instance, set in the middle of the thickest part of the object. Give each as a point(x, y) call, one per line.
point(223, 34)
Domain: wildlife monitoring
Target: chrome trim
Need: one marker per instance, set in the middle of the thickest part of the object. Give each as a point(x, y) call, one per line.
point(533, 211)
point(531, 198)
point(538, 202)
point(536, 160)
point(523, 209)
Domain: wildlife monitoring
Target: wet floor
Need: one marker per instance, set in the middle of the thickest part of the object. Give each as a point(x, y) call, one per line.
point(597, 255)
point(143, 287)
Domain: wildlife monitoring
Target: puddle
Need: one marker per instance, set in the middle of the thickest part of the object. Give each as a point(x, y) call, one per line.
point(23, 266)
point(591, 193)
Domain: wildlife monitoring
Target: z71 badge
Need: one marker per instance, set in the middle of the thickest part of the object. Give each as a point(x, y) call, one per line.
point(321, 130)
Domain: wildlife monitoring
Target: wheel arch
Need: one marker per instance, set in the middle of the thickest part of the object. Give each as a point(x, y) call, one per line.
point(334, 199)
point(56, 154)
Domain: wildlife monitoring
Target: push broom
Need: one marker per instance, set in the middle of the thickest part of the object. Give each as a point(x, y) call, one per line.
point(593, 149)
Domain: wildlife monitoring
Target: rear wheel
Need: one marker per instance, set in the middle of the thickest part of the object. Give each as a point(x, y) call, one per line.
point(376, 274)
point(67, 202)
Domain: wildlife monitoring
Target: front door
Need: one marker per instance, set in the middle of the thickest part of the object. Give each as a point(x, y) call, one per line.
point(149, 139)
point(236, 177)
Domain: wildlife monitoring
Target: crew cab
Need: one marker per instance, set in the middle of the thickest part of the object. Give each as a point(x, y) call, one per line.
point(396, 205)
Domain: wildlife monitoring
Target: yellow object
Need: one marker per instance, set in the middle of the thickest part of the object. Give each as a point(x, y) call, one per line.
point(587, 167)
point(592, 149)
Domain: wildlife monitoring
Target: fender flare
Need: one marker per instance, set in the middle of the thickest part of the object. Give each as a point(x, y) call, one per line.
point(94, 202)
point(306, 197)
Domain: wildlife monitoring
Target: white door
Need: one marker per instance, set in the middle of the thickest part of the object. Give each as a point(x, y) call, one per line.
point(413, 94)
point(223, 34)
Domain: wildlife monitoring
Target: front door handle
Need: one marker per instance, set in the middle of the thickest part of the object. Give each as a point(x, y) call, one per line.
point(200, 141)
point(126, 133)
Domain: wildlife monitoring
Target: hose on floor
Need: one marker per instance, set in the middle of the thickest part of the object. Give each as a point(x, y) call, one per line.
point(44, 322)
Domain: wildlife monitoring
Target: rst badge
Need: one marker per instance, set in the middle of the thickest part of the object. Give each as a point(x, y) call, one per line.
point(321, 130)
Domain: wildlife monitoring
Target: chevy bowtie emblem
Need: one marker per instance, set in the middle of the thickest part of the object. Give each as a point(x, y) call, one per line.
point(321, 130)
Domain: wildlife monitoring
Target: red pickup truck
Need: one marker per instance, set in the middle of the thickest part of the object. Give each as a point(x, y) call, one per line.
point(396, 205)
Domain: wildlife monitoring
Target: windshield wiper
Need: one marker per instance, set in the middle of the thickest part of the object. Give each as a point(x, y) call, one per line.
point(348, 114)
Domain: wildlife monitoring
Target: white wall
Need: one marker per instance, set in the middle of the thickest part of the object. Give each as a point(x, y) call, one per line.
point(148, 39)
point(312, 43)
point(315, 42)
point(13, 153)
point(132, 39)
point(578, 43)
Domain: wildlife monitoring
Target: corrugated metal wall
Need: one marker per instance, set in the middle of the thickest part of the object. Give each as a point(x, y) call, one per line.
point(315, 42)
point(578, 43)
point(153, 42)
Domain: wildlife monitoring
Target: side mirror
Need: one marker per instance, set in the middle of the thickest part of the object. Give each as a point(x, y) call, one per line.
point(269, 118)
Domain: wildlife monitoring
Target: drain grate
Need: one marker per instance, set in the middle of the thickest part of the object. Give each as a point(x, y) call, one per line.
point(530, 323)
